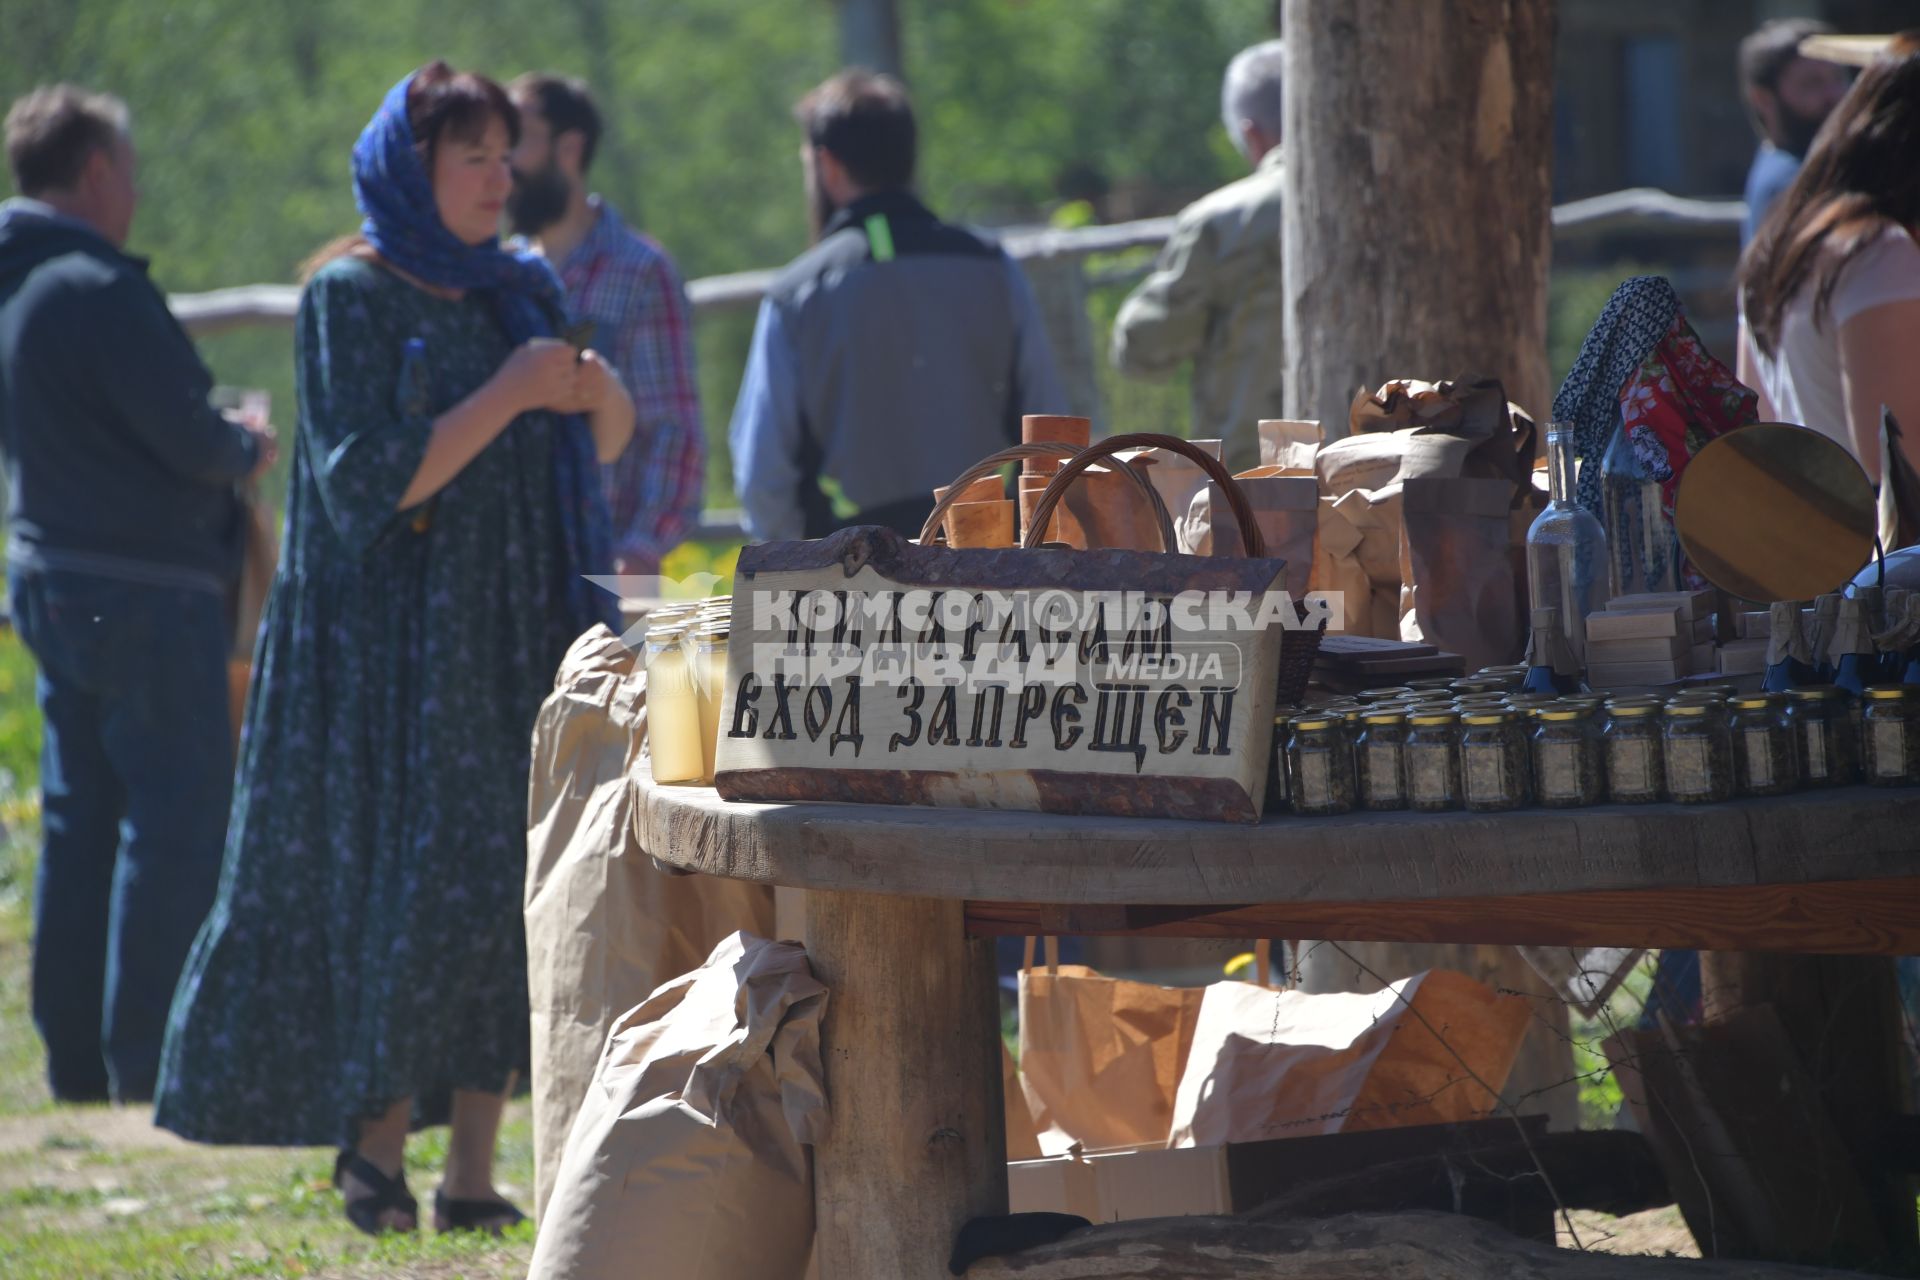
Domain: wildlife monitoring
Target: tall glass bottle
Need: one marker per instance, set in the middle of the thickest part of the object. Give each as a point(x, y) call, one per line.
point(1566, 550)
point(1646, 551)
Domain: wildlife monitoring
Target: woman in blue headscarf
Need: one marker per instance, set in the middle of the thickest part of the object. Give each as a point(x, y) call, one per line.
point(364, 966)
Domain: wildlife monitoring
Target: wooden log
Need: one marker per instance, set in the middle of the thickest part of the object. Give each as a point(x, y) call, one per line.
point(1416, 232)
point(1432, 1246)
point(1841, 1015)
point(911, 1047)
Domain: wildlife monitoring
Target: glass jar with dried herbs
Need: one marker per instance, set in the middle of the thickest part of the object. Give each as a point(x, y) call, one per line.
point(1379, 754)
point(1569, 761)
point(1636, 769)
point(1494, 765)
point(1320, 764)
point(1764, 760)
point(1431, 760)
point(1699, 752)
point(1825, 737)
point(1890, 737)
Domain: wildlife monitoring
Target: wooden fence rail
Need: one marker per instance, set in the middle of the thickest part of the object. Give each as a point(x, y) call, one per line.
point(1640, 210)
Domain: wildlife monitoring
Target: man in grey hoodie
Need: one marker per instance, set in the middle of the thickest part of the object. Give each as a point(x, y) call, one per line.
point(123, 542)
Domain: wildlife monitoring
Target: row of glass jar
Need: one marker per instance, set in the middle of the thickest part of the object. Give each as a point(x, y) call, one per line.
point(1487, 751)
point(686, 661)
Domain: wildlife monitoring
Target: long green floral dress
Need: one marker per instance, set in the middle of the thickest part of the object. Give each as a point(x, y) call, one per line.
point(367, 944)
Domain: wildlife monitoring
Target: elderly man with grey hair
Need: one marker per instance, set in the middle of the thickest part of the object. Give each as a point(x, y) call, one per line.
point(1214, 294)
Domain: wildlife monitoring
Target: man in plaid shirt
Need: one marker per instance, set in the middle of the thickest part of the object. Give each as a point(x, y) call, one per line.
point(627, 287)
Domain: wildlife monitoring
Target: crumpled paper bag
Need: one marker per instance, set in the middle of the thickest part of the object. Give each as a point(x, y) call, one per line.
point(1285, 508)
point(604, 926)
point(1100, 1057)
point(1277, 1064)
point(688, 1158)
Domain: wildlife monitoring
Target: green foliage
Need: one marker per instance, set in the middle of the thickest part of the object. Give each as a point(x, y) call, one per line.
point(245, 114)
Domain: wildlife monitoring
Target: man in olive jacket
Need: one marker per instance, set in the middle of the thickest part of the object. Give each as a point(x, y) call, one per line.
point(1214, 296)
point(123, 542)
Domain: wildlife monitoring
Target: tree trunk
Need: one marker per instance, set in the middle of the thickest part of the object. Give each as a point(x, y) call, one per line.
point(1416, 237)
point(870, 35)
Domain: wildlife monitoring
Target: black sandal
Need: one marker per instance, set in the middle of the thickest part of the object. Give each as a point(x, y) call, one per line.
point(475, 1215)
point(385, 1194)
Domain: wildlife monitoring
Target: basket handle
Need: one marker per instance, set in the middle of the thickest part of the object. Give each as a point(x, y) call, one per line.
point(1037, 449)
point(1256, 546)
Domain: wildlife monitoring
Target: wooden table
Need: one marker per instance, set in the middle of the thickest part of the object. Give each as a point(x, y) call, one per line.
point(903, 901)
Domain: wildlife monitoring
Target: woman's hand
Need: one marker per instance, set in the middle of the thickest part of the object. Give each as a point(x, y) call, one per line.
point(540, 374)
point(593, 380)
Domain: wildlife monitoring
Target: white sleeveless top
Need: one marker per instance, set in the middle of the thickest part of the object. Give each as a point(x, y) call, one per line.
point(1802, 377)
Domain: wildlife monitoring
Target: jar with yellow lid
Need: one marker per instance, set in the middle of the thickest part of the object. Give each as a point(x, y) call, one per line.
point(1890, 737)
point(673, 705)
point(1569, 759)
point(1699, 752)
point(1495, 772)
point(1825, 738)
point(1320, 764)
point(1431, 760)
point(1764, 760)
point(1636, 769)
point(1379, 754)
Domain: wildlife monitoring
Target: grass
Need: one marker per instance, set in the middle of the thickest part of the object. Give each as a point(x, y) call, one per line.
point(90, 1192)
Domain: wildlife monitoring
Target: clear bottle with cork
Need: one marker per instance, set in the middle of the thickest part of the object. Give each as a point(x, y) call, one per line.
point(1566, 551)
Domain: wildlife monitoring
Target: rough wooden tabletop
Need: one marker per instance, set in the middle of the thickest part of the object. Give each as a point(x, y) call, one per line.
point(1854, 833)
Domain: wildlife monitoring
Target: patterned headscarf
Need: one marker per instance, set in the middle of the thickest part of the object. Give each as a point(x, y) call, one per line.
point(1642, 368)
point(402, 223)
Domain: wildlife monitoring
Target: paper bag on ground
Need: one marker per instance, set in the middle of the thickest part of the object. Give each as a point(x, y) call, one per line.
point(1457, 574)
point(688, 1158)
point(1276, 1064)
point(604, 927)
point(1100, 1057)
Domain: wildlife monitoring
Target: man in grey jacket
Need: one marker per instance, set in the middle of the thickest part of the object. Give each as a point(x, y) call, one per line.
point(892, 355)
point(1214, 295)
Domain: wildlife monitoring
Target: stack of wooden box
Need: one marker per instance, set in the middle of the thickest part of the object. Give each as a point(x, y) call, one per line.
point(1654, 638)
point(1747, 653)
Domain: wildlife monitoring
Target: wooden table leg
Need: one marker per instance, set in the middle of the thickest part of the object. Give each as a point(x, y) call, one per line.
point(910, 1042)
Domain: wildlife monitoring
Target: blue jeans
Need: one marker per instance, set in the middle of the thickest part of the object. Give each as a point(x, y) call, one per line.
point(136, 774)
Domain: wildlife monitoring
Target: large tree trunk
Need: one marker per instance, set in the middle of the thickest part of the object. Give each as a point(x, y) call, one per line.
point(1416, 238)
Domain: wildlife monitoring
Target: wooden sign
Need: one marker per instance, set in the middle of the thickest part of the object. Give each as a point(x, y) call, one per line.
point(865, 668)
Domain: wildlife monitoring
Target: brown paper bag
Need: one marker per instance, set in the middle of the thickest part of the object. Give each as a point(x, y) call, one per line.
point(604, 927)
point(1289, 448)
point(1286, 508)
point(1111, 512)
point(688, 1158)
point(1277, 1064)
point(1456, 569)
point(1023, 1140)
point(1100, 1057)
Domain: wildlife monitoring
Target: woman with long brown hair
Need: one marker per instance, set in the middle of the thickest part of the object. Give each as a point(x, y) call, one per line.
point(1830, 287)
point(364, 966)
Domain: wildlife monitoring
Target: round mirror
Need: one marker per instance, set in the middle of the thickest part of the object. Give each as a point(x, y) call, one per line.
point(1775, 512)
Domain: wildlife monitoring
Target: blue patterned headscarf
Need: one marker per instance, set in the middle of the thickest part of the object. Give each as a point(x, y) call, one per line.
point(395, 193)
